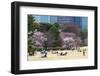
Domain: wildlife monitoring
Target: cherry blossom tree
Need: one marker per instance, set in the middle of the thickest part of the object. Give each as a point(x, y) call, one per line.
point(39, 39)
point(70, 40)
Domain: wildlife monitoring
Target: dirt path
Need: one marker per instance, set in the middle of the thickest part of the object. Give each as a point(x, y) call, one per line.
point(70, 55)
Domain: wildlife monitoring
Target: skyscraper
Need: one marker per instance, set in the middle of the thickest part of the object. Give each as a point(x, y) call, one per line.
point(62, 20)
point(82, 22)
point(53, 19)
point(42, 18)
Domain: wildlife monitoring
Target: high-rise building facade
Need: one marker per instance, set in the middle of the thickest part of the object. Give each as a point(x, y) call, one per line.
point(62, 20)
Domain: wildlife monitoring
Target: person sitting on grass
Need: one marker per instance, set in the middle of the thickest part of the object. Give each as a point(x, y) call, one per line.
point(44, 53)
point(61, 53)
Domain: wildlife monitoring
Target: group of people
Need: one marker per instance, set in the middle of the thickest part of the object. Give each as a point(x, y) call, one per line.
point(59, 53)
point(44, 53)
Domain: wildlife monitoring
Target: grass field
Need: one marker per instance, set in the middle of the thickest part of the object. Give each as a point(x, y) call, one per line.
point(70, 55)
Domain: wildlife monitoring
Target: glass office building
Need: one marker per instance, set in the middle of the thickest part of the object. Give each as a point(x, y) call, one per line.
point(42, 19)
point(62, 20)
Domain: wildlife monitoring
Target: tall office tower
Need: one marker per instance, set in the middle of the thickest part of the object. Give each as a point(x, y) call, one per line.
point(46, 19)
point(78, 21)
point(62, 20)
point(82, 22)
point(53, 19)
point(42, 18)
point(85, 22)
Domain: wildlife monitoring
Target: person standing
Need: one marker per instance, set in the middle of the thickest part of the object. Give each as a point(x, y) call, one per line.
point(84, 52)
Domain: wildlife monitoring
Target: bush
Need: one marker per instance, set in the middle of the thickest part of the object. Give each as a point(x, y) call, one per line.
point(56, 48)
point(38, 49)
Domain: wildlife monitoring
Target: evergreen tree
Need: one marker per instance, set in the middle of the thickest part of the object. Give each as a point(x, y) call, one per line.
point(53, 36)
point(32, 25)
